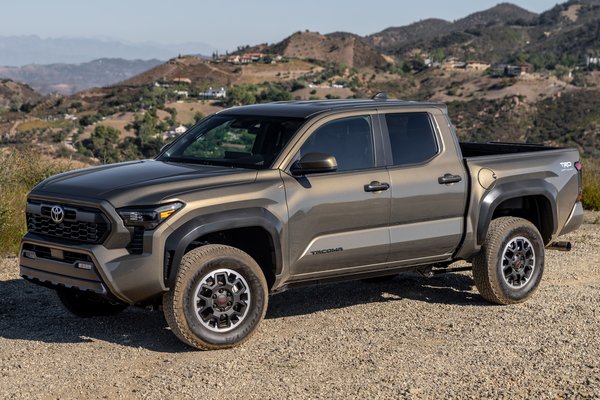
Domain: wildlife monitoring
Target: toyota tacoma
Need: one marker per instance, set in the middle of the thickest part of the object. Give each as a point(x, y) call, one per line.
point(257, 199)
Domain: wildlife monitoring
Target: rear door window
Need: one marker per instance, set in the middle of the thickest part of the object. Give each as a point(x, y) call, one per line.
point(412, 138)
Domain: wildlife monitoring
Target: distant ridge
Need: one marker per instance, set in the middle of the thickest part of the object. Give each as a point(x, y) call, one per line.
point(70, 78)
point(24, 50)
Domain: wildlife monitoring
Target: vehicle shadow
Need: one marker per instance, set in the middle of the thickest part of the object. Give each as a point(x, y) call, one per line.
point(442, 289)
point(34, 313)
point(29, 312)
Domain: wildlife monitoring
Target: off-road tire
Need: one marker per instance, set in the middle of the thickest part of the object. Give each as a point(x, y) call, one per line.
point(86, 305)
point(487, 264)
point(178, 303)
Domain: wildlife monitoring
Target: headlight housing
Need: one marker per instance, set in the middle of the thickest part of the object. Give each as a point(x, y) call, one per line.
point(148, 217)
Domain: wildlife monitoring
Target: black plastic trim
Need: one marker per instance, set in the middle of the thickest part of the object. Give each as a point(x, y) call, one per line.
point(512, 190)
point(178, 241)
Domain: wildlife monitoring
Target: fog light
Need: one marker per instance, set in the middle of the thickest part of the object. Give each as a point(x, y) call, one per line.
point(29, 254)
point(84, 265)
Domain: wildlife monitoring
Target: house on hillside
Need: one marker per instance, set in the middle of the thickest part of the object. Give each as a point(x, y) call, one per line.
point(173, 133)
point(511, 71)
point(592, 61)
point(216, 93)
point(477, 66)
point(182, 80)
point(453, 63)
point(233, 59)
point(181, 93)
point(517, 70)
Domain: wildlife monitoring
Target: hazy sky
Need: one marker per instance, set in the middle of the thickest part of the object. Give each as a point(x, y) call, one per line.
point(225, 23)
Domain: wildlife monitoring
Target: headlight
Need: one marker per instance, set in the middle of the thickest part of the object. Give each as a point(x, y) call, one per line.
point(148, 217)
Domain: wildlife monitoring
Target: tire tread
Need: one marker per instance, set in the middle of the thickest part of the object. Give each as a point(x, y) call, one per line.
point(173, 307)
point(485, 262)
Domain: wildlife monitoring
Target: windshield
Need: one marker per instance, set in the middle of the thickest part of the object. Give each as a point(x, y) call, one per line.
point(236, 141)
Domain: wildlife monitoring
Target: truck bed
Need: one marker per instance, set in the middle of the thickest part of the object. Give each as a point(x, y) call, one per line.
point(470, 149)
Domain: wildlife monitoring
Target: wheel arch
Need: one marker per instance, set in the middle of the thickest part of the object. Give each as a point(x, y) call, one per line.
point(228, 227)
point(534, 201)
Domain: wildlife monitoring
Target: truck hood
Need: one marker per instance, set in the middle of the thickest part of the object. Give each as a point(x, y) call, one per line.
point(139, 182)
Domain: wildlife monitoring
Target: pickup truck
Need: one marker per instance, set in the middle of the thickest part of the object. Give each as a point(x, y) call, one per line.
point(257, 199)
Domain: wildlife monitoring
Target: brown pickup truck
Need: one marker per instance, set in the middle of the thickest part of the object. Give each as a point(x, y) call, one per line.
point(254, 200)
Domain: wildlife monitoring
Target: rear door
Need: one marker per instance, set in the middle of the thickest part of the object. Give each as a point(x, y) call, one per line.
point(428, 185)
point(336, 220)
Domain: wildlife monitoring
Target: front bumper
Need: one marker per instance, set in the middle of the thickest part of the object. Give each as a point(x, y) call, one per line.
point(114, 273)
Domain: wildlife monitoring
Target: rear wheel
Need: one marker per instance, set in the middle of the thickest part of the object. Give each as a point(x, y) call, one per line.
point(218, 299)
point(510, 265)
point(87, 305)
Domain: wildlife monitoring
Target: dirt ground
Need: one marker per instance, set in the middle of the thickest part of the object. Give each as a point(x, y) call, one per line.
point(410, 337)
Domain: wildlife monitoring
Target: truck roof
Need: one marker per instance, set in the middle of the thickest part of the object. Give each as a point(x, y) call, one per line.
point(309, 108)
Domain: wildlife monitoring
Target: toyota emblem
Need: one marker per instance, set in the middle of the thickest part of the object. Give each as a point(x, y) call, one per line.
point(57, 213)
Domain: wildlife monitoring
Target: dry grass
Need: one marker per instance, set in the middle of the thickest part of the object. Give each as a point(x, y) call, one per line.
point(20, 172)
point(40, 124)
point(591, 184)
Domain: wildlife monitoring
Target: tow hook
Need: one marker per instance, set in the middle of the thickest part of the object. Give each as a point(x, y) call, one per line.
point(560, 246)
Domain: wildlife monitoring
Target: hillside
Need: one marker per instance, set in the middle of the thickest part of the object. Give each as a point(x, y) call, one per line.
point(482, 28)
point(569, 31)
point(192, 68)
point(506, 33)
point(395, 37)
point(70, 78)
point(485, 105)
point(501, 14)
point(14, 95)
point(338, 48)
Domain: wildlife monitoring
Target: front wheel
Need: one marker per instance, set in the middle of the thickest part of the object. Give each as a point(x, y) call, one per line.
point(510, 265)
point(218, 299)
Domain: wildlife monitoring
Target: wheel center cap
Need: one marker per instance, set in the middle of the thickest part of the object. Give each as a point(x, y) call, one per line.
point(222, 299)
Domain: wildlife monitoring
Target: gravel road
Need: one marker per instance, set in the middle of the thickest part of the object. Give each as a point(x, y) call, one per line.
point(410, 337)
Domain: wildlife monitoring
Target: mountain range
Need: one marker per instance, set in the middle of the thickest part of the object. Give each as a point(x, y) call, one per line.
point(504, 33)
point(23, 50)
point(70, 78)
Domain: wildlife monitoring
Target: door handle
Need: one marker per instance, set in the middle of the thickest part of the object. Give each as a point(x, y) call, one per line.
point(449, 178)
point(377, 186)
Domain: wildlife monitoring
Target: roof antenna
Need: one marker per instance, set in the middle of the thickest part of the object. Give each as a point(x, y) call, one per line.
point(380, 96)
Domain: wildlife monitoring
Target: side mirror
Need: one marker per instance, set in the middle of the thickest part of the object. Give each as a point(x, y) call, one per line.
point(313, 163)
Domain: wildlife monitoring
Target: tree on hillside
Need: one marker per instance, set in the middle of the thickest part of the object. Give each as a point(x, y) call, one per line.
point(241, 95)
point(273, 93)
point(103, 143)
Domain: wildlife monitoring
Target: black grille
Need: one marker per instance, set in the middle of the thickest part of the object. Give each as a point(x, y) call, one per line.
point(85, 225)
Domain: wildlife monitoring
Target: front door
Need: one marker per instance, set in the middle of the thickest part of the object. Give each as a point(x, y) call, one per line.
point(339, 220)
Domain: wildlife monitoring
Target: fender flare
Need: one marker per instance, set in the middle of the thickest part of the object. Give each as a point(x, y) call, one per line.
point(182, 237)
point(511, 190)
